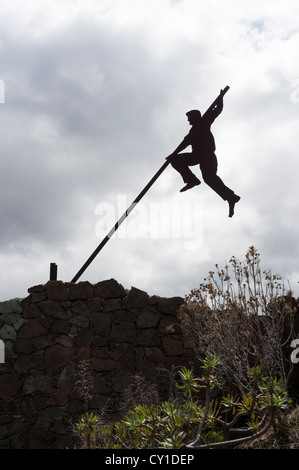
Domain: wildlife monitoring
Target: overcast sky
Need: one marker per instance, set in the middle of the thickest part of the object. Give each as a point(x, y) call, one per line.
point(93, 98)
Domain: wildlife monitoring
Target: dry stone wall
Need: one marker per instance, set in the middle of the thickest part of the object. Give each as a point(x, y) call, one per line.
point(59, 328)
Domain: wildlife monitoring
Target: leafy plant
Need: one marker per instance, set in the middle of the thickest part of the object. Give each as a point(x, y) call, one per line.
point(214, 423)
point(87, 428)
point(189, 385)
point(266, 400)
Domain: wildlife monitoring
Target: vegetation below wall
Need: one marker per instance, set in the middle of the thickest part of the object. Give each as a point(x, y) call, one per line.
point(266, 419)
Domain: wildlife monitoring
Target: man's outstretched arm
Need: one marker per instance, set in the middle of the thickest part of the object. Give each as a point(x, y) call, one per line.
point(185, 143)
point(212, 114)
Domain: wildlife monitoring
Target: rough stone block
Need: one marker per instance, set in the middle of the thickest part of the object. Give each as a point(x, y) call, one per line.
point(80, 321)
point(53, 309)
point(80, 308)
point(10, 385)
point(146, 368)
point(37, 382)
point(81, 291)
point(118, 350)
point(148, 318)
point(11, 306)
point(122, 316)
point(95, 304)
point(10, 318)
point(101, 323)
point(136, 298)
point(66, 378)
point(127, 360)
point(8, 332)
point(58, 398)
point(37, 288)
point(24, 364)
point(31, 311)
point(101, 365)
point(124, 332)
point(66, 341)
point(154, 355)
point(31, 329)
point(109, 289)
point(24, 346)
point(148, 337)
point(42, 424)
point(112, 304)
point(121, 379)
point(99, 385)
point(57, 291)
point(56, 357)
point(172, 347)
point(170, 306)
point(84, 337)
point(101, 353)
point(60, 327)
point(37, 297)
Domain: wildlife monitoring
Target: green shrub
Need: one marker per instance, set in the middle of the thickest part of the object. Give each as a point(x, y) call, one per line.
point(192, 423)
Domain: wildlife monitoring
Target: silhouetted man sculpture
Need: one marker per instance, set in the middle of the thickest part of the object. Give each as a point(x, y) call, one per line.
point(203, 146)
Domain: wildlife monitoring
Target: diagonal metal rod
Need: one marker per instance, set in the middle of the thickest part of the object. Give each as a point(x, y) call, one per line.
point(119, 222)
point(131, 207)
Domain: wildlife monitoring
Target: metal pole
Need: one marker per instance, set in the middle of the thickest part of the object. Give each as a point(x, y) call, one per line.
point(119, 222)
point(129, 210)
point(53, 272)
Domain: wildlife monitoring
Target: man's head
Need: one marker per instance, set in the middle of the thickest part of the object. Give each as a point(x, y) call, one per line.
point(194, 116)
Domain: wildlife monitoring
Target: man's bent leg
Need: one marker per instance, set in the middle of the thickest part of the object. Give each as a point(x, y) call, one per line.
point(181, 163)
